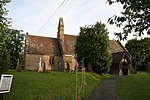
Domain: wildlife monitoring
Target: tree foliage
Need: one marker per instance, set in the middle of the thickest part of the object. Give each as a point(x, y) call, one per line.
point(11, 41)
point(4, 39)
point(135, 17)
point(92, 44)
point(16, 48)
point(140, 51)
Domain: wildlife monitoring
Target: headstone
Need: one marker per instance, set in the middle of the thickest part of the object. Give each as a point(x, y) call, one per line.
point(40, 66)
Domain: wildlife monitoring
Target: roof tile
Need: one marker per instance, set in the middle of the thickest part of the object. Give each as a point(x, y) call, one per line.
point(42, 45)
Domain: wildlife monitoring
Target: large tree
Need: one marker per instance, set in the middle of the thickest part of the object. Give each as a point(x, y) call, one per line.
point(11, 41)
point(134, 19)
point(140, 51)
point(92, 44)
point(16, 48)
point(4, 39)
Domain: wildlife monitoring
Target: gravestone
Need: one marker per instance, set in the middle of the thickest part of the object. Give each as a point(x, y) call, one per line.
point(40, 66)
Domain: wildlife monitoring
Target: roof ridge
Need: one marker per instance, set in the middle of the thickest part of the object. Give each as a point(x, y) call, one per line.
point(71, 35)
point(41, 36)
point(124, 48)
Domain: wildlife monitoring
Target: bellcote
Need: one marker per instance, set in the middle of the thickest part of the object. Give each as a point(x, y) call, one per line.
point(60, 33)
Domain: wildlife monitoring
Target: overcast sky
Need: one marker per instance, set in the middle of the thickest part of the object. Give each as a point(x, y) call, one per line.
point(32, 15)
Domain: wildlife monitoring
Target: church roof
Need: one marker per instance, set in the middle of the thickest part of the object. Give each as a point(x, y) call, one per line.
point(118, 51)
point(115, 46)
point(70, 40)
point(69, 44)
point(42, 45)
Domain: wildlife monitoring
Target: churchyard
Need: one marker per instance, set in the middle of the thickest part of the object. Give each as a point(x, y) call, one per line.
point(54, 85)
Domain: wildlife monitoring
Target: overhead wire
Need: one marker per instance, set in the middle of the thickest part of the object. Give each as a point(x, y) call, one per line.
point(55, 13)
point(61, 7)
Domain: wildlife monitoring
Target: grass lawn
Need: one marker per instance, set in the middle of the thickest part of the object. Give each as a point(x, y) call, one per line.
point(135, 87)
point(47, 86)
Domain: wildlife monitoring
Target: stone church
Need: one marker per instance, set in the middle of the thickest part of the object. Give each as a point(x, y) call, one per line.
point(59, 53)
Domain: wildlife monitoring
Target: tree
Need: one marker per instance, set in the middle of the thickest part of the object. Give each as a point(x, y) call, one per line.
point(146, 52)
point(4, 39)
point(135, 17)
point(11, 41)
point(134, 48)
point(140, 51)
point(16, 48)
point(92, 44)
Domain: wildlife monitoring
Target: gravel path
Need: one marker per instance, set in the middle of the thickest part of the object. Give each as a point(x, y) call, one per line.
point(105, 90)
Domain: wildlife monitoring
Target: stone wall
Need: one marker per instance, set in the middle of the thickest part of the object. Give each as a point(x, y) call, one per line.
point(32, 62)
point(70, 60)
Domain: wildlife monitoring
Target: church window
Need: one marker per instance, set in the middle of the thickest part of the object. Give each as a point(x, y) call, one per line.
point(52, 60)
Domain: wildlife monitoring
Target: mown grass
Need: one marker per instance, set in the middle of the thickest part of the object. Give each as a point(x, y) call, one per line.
point(134, 87)
point(47, 86)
